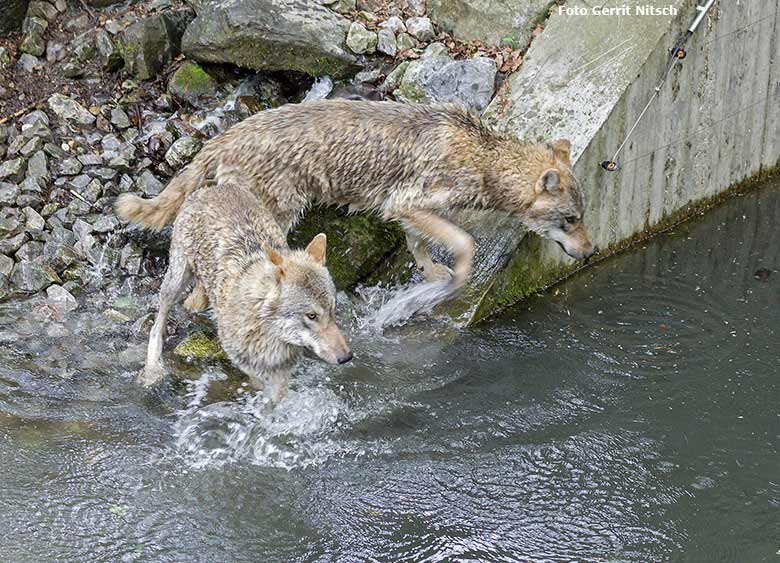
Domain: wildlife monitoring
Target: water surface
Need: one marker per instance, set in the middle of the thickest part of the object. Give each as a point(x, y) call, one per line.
point(630, 414)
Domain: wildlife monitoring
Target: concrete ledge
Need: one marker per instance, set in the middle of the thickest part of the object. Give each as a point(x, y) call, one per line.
point(588, 77)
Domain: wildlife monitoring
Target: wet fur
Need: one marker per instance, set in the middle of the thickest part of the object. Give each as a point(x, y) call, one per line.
point(409, 163)
point(260, 291)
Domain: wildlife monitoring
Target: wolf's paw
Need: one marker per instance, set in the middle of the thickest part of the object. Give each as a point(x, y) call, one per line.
point(150, 375)
point(197, 300)
point(438, 272)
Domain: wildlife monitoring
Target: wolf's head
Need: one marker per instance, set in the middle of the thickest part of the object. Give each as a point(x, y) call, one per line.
point(556, 205)
point(305, 309)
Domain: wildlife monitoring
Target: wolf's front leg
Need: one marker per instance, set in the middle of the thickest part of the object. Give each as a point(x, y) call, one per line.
point(430, 269)
point(176, 279)
point(426, 225)
point(274, 384)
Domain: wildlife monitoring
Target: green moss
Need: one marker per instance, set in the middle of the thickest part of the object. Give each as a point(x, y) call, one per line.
point(199, 346)
point(527, 274)
point(359, 246)
point(190, 81)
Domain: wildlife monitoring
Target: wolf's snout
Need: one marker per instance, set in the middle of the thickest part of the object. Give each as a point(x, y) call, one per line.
point(346, 357)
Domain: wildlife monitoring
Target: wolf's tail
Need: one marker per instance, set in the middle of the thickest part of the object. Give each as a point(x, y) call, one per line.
point(157, 212)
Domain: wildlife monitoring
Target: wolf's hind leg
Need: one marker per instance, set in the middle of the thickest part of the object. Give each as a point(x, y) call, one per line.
point(419, 249)
point(436, 229)
point(176, 279)
point(197, 300)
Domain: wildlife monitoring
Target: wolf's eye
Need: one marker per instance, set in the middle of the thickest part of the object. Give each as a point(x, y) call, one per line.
point(572, 219)
point(311, 316)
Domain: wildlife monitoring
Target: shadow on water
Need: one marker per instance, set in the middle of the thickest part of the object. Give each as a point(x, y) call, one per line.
point(628, 415)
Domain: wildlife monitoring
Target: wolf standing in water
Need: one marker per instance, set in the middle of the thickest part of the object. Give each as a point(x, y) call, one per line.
point(269, 302)
point(409, 163)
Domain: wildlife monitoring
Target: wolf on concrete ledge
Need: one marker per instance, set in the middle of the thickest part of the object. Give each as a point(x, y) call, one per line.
point(408, 163)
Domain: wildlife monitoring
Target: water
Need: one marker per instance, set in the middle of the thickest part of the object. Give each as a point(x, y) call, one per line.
point(631, 414)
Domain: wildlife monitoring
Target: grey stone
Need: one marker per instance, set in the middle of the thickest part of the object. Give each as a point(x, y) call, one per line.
point(182, 151)
point(152, 42)
point(131, 258)
point(33, 24)
point(149, 184)
point(32, 276)
point(42, 10)
point(28, 62)
point(420, 28)
point(270, 35)
point(77, 23)
point(61, 298)
point(508, 21)
point(6, 265)
point(436, 50)
point(103, 43)
point(10, 245)
point(103, 173)
point(386, 42)
point(394, 24)
point(38, 167)
point(13, 170)
point(109, 143)
point(405, 42)
point(360, 40)
point(33, 44)
point(31, 185)
point(467, 82)
point(80, 182)
point(119, 118)
point(33, 221)
point(90, 159)
point(106, 224)
point(70, 110)
point(93, 191)
point(73, 69)
point(69, 166)
point(191, 83)
point(8, 193)
point(10, 226)
point(55, 52)
point(83, 48)
point(5, 60)
point(29, 251)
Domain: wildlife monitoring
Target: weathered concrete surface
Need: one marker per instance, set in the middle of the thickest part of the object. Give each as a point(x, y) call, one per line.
point(270, 35)
point(491, 21)
point(588, 77)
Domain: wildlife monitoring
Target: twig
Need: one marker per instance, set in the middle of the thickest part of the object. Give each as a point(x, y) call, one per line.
point(88, 9)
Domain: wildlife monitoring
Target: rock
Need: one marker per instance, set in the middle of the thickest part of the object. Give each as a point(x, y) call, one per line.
point(6, 265)
point(436, 50)
point(77, 24)
point(69, 166)
point(5, 287)
point(28, 62)
point(405, 42)
point(200, 347)
point(8, 193)
point(38, 167)
point(438, 80)
point(342, 6)
point(61, 298)
point(420, 28)
point(72, 69)
point(83, 48)
point(55, 52)
point(130, 258)
point(12, 13)
point(149, 184)
point(182, 151)
point(386, 42)
point(508, 21)
point(358, 245)
point(70, 110)
point(29, 251)
point(417, 7)
point(33, 44)
point(119, 118)
point(360, 40)
point(32, 24)
point(271, 35)
point(34, 223)
point(13, 170)
point(42, 10)
point(103, 44)
point(31, 185)
point(31, 276)
point(10, 245)
point(152, 42)
point(5, 59)
point(191, 83)
point(394, 24)
point(106, 224)
point(107, 143)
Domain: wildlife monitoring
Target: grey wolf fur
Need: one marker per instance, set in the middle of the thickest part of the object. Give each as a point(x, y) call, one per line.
point(269, 302)
point(409, 163)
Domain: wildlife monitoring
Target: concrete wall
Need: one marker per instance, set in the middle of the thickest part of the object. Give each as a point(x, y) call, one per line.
point(587, 77)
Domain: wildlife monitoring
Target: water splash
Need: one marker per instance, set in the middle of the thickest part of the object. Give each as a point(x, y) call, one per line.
point(320, 89)
point(404, 303)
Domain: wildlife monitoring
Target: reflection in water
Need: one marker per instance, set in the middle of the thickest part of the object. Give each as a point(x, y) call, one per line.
point(628, 415)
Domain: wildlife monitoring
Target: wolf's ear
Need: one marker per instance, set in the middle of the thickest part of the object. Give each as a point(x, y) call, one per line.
point(548, 181)
point(562, 150)
point(276, 259)
point(316, 248)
